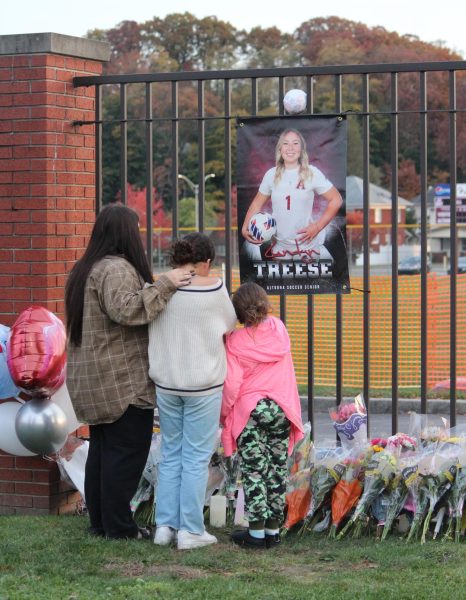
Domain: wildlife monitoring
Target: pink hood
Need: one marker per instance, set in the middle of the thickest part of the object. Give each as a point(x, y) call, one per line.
point(259, 366)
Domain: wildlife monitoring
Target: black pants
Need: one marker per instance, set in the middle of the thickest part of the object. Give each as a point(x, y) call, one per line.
point(117, 456)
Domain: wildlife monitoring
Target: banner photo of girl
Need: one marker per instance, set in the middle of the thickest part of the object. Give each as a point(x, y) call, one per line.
point(291, 177)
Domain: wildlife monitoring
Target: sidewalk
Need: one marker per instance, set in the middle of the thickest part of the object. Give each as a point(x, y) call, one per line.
point(380, 415)
point(380, 406)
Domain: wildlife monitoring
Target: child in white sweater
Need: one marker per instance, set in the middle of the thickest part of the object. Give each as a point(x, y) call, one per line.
point(188, 365)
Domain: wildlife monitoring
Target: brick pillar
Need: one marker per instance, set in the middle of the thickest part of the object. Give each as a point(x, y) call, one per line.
point(47, 206)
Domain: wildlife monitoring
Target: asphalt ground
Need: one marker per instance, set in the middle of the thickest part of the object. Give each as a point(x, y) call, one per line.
point(380, 417)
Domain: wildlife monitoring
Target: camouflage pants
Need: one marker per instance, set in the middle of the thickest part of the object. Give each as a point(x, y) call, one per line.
point(263, 447)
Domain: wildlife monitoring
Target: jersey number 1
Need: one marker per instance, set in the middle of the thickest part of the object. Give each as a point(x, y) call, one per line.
point(288, 202)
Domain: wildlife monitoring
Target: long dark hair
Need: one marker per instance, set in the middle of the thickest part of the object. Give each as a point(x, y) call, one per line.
point(192, 248)
point(115, 233)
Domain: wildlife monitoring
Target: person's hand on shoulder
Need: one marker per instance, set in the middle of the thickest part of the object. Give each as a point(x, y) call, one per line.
point(180, 276)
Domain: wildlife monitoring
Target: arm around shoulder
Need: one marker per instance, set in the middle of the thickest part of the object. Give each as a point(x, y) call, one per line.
point(126, 301)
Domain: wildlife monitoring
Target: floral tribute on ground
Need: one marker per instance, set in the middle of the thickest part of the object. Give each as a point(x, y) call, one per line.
point(355, 488)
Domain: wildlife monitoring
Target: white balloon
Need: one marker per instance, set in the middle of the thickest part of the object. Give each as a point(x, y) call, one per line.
point(63, 400)
point(9, 441)
point(41, 426)
point(295, 101)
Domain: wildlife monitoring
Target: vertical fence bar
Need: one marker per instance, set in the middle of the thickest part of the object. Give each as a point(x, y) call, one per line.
point(149, 176)
point(453, 246)
point(281, 111)
point(338, 297)
point(310, 303)
point(310, 93)
point(98, 149)
point(423, 174)
point(254, 97)
point(123, 143)
point(394, 235)
point(201, 156)
point(174, 151)
point(227, 111)
point(366, 244)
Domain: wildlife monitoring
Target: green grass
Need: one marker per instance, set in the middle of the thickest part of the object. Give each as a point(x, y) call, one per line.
point(53, 558)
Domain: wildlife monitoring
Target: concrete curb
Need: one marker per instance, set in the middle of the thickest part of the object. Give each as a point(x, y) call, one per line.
point(323, 404)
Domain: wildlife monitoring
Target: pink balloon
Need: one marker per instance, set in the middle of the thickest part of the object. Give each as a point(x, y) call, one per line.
point(36, 352)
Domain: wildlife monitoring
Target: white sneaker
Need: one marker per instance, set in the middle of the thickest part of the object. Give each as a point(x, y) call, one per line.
point(187, 540)
point(164, 535)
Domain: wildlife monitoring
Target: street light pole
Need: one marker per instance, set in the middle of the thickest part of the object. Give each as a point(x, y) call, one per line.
point(195, 189)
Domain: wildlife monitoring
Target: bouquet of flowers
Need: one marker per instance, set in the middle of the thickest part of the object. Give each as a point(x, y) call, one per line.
point(379, 510)
point(143, 501)
point(347, 491)
point(397, 494)
point(401, 443)
point(437, 473)
point(428, 429)
point(298, 499)
point(456, 498)
point(298, 493)
point(350, 422)
point(387, 506)
point(216, 476)
point(418, 494)
point(326, 470)
point(380, 471)
point(232, 481)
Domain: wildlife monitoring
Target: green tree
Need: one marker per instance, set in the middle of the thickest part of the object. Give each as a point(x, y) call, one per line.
point(194, 44)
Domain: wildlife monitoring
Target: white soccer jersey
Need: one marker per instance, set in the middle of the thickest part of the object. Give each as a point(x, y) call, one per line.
point(292, 203)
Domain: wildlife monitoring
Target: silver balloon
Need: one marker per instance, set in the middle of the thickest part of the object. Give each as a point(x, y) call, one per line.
point(41, 426)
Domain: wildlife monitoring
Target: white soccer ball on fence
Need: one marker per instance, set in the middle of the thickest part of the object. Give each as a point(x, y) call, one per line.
point(262, 226)
point(295, 101)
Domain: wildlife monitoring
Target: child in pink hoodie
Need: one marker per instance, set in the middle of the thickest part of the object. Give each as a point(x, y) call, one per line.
point(261, 413)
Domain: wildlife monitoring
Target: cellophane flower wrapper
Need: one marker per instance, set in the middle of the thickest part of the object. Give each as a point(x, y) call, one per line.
point(397, 493)
point(428, 429)
point(417, 481)
point(388, 505)
point(350, 423)
point(298, 492)
point(347, 491)
point(401, 444)
point(379, 508)
point(298, 499)
point(379, 472)
point(231, 466)
point(301, 455)
point(216, 473)
point(456, 497)
point(417, 496)
point(143, 502)
point(326, 469)
point(438, 473)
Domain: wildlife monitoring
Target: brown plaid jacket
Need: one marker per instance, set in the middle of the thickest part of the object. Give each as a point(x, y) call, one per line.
point(109, 371)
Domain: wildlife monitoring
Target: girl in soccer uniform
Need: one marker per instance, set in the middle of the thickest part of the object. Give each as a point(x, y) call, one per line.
point(291, 186)
point(261, 413)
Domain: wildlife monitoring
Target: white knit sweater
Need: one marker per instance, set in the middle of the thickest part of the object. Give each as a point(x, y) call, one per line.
point(186, 348)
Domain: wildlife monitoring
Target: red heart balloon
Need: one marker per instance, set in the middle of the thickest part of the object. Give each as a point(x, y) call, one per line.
point(36, 352)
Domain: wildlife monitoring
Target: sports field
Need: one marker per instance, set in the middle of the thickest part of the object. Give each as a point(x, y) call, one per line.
point(409, 319)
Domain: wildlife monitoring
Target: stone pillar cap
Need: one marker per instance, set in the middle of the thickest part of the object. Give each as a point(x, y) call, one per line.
point(54, 43)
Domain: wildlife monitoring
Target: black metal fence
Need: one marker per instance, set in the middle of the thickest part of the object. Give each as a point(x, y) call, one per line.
point(347, 89)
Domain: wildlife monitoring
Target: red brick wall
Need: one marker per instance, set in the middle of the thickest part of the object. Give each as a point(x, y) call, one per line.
point(32, 485)
point(47, 208)
point(47, 166)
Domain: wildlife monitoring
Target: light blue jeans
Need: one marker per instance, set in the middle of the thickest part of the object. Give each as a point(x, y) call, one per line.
point(189, 427)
